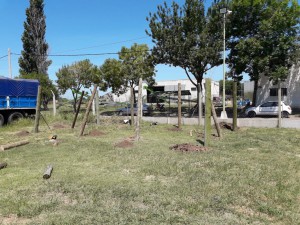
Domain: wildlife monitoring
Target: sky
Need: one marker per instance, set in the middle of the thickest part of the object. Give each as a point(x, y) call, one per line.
point(85, 26)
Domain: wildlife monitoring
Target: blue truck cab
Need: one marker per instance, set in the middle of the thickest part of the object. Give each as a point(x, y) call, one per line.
point(18, 98)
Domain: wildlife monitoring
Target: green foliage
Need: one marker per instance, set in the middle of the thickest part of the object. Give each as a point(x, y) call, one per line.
point(114, 76)
point(187, 37)
point(229, 87)
point(263, 37)
point(133, 63)
point(77, 76)
point(34, 55)
point(33, 61)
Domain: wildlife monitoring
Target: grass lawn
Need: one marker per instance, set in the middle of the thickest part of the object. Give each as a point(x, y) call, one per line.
point(248, 177)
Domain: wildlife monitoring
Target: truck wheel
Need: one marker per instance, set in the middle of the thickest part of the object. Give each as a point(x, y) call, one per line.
point(1, 120)
point(285, 114)
point(14, 116)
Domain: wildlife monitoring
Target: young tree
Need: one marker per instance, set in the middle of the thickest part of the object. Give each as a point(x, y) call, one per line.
point(33, 61)
point(133, 63)
point(79, 75)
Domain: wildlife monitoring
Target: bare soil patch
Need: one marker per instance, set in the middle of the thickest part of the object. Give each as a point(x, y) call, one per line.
point(22, 133)
point(227, 126)
point(186, 147)
point(127, 143)
point(13, 219)
point(59, 126)
point(96, 133)
point(176, 129)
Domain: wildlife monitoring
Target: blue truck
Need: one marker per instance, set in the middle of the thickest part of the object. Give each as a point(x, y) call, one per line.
point(18, 98)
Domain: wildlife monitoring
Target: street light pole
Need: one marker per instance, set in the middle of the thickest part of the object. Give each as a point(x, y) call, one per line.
point(224, 11)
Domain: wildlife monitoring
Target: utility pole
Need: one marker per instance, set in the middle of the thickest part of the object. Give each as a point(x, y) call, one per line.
point(9, 63)
point(54, 103)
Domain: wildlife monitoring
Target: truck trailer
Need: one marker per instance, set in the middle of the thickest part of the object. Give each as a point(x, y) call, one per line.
point(18, 98)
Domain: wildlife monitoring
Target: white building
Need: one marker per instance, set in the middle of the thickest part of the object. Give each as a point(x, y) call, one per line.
point(171, 86)
point(290, 89)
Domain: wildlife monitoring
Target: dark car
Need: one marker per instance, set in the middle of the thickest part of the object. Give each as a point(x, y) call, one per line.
point(126, 110)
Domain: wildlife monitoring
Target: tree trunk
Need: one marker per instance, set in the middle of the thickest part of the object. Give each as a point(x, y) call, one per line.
point(199, 102)
point(279, 104)
point(254, 93)
point(12, 145)
point(48, 172)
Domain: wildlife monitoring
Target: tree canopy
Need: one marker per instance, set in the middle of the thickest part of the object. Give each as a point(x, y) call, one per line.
point(77, 76)
point(34, 55)
point(133, 63)
point(34, 61)
point(187, 36)
point(263, 38)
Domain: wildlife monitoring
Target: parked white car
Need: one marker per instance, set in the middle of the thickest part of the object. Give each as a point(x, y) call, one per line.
point(269, 109)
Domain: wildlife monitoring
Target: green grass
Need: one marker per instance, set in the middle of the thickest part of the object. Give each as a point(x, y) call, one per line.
point(249, 177)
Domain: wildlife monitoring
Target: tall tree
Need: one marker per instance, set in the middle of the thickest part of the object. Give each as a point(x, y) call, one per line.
point(82, 74)
point(187, 37)
point(34, 55)
point(33, 61)
point(264, 37)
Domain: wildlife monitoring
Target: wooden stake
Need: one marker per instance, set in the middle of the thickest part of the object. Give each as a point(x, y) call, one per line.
point(131, 105)
point(97, 108)
point(207, 132)
point(88, 110)
point(37, 110)
point(214, 114)
point(12, 145)
point(179, 105)
point(77, 110)
point(48, 172)
point(139, 111)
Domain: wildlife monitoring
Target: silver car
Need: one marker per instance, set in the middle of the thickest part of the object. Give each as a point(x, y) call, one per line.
point(269, 109)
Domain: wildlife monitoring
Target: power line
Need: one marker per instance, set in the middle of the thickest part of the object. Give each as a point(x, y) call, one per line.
point(113, 43)
point(87, 54)
point(3, 56)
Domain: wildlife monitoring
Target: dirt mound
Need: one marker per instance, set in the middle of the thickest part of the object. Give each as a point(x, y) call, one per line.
point(96, 133)
point(22, 133)
point(174, 129)
point(124, 144)
point(228, 126)
point(188, 148)
point(59, 126)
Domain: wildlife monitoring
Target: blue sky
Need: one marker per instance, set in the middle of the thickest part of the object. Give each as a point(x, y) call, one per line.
point(85, 26)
